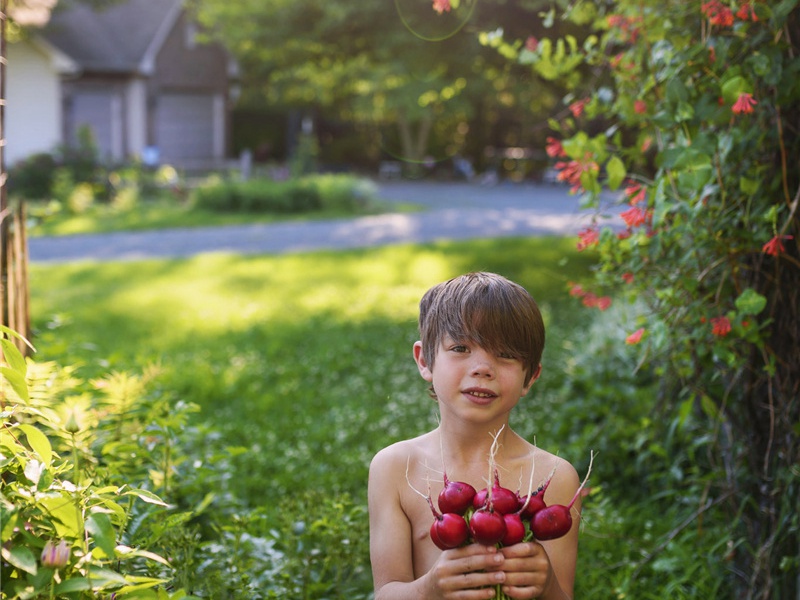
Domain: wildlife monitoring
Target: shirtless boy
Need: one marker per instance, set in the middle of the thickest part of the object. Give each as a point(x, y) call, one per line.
point(480, 348)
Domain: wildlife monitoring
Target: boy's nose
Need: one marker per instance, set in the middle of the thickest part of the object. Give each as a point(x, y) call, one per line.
point(483, 366)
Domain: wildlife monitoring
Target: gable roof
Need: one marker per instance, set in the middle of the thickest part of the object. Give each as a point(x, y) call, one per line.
point(122, 38)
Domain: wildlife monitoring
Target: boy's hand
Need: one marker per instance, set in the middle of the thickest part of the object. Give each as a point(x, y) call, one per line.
point(528, 570)
point(468, 573)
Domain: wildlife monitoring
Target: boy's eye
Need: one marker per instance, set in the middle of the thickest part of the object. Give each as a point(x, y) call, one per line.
point(458, 348)
point(507, 355)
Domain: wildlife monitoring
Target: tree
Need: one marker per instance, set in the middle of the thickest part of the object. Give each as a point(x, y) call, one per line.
point(377, 65)
point(693, 113)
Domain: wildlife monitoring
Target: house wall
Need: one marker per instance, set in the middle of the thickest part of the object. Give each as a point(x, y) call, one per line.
point(33, 102)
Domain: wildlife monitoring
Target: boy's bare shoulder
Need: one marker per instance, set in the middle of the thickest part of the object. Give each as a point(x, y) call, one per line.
point(398, 455)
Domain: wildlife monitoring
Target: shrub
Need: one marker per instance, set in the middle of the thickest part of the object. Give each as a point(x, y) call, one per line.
point(68, 527)
point(337, 193)
point(692, 112)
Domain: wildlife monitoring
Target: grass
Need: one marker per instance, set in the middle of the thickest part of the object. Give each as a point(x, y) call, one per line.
point(306, 357)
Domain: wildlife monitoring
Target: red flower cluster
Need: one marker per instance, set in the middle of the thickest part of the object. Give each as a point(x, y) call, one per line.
point(571, 171)
point(775, 246)
point(441, 6)
point(720, 326)
point(628, 26)
point(554, 148)
point(576, 108)
point(718, 13)
point(746, 12)
point(587, 238)
point(590, 299)
point(744, 104)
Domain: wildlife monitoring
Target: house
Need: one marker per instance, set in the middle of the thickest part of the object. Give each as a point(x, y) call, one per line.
point(134, 73)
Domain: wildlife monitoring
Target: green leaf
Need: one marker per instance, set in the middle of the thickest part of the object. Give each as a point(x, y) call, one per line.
point(21, 557)
point(101, 529)
point(17, 382)
point(148, 497)
point(75, 584)
point(616, 171)
point(748, 186)
point(39, 443)
point(750, 302)
point(13, 356)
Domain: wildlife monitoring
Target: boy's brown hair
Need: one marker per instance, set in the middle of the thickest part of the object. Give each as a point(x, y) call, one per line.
point(488, 310)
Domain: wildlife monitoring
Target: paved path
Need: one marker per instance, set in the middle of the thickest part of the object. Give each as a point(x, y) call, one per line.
point(454, 212)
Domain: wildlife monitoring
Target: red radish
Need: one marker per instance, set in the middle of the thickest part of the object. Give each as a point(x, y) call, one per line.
point(555, 520)
point(515, 530)
point(449, 531)
point(503, 500)
point(487, 526)
point(533, 503)
point(456, 496)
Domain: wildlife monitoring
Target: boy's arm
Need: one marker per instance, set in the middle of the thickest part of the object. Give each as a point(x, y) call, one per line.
point(389, 531)
point(462, 572)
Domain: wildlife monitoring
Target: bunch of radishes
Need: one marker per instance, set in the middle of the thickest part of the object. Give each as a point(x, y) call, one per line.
point(497, 515)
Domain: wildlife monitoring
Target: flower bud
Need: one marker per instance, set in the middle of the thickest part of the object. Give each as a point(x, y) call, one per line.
point(55, 555)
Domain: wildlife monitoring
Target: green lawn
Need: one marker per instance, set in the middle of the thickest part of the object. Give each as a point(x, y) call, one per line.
point(307, 355)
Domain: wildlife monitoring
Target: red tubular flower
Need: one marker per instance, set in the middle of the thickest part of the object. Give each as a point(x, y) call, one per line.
point(576, 108)
point(640, 107)
point(720, 326)
point(571, 171)
point(744, 104)
point(531, 43)
point(587, 238)
point(636, 193)
point(627, 277)
point(576, 290)
point(590, 300)
point(746, 12)
point(604, 302)
point(635, 216)
point(774, 247)
point(441, 6)
point(554, 148)
point(635, 337)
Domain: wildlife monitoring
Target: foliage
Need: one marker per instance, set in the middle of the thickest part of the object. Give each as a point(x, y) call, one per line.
point(416, 83)
point(333, 193)
point(68, 528)
point(693, 113)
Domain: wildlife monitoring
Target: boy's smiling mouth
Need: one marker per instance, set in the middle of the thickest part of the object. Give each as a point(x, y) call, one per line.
point(479, 395)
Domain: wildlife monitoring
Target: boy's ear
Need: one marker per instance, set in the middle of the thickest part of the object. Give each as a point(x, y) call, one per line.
point(422, 364)
point(534, 377)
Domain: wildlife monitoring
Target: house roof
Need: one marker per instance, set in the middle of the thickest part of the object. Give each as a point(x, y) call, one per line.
point(122, 38)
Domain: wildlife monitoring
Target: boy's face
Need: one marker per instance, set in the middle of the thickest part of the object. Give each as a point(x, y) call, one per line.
point(473, 381)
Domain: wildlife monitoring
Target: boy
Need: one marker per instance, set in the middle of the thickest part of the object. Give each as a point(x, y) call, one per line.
point(481, 342)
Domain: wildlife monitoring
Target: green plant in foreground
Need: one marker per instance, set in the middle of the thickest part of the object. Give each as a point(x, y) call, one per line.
point(63, 523)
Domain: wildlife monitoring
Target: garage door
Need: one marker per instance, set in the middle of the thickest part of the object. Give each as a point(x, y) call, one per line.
point(185, 126)
point(99, 111)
